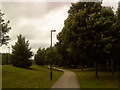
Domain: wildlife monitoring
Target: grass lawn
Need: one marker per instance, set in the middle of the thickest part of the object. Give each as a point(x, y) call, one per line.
point(36, 77)
point(106, 79)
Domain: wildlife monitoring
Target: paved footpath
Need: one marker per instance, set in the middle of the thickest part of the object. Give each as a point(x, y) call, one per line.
point(67, 80)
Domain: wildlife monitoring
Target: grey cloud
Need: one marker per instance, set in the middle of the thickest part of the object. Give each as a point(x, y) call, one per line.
point(35, 44)
point(34, 20)
point(56, 5)
point(14, 11)
point(30, 9)
point(30, 33)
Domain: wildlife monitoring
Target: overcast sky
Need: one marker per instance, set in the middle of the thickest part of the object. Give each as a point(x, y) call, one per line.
point(35, 20)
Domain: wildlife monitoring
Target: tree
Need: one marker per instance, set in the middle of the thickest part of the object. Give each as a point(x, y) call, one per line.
point(54, 55)
point(118, 12)
point(86, 34)
point(112, 49)
point(40, 57)
point(21, 53)
point(4, 29)
point(118, 29)
point(47, 56)
point(116, 43)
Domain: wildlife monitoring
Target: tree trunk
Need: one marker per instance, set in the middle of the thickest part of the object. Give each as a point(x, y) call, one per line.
point(82, 66)
point(107, 65)
point(96, 69)
point(112, 68)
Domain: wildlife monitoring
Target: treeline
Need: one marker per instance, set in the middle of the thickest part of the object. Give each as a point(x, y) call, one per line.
point(90, 38)
point(47, 56)
point(6, 58)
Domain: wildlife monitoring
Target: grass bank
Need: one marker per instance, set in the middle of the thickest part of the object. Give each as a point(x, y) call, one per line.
point(36, 77)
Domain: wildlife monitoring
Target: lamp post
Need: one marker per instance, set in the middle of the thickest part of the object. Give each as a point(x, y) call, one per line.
point(51, 55)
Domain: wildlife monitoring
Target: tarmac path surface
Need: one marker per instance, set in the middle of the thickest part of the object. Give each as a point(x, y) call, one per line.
point(67, 80)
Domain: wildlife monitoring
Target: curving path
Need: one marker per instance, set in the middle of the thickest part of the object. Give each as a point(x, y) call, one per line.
point(67, 80)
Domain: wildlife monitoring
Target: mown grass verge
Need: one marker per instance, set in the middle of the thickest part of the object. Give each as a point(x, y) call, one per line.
point(35, 77)
point(106, 79)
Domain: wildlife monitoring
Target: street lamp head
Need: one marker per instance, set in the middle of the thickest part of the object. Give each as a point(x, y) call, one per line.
point(53, 30)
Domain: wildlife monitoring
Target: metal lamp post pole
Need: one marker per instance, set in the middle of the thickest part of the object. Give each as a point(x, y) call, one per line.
point(51, 55)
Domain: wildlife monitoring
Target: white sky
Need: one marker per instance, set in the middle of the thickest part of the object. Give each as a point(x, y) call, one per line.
point(35, 20)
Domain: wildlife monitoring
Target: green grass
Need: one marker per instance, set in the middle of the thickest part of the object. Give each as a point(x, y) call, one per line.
point(106, 79)
point(36, 77)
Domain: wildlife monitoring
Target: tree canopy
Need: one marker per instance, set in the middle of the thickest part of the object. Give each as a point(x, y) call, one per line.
point(89, 35)
point(47, 56)
point(4, 29)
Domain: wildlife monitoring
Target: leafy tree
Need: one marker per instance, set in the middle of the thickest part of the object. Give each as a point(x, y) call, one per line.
point(112, 49)
point(21, 53)
point(40, 57)
point(86, 34)
point(4, 29)
point(118, 28)
point(47, 56)
point(55, 57)
point(118, 12)
point(116, 43)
